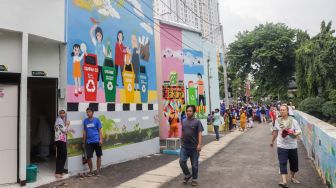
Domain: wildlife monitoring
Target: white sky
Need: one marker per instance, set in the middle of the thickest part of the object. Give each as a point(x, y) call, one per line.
point(240, 15)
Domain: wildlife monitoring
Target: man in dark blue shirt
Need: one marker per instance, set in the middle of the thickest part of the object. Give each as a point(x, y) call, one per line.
point(93, 140)
point(191, 145)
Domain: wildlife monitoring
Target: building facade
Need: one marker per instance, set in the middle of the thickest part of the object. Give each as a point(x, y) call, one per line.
point(202, 15)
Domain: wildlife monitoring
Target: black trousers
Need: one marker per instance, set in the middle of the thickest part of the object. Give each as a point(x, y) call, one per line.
point(61, 156)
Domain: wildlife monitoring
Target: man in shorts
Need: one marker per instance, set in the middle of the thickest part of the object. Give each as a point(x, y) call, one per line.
point(93, 140)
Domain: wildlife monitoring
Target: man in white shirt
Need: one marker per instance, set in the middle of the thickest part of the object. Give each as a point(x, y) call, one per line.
point(286, 130)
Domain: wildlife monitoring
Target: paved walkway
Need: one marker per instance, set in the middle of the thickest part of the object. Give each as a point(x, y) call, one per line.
point(248, 162)
point(238, 160)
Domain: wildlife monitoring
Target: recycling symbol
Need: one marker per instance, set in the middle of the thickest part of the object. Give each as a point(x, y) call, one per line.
point(110, 86)
point(129, 87)
point(90, 86)
point(143, 88)
point(192, 97)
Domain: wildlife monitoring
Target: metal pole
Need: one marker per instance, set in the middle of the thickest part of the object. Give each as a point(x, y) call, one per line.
point(226, 91)
point(209, 77)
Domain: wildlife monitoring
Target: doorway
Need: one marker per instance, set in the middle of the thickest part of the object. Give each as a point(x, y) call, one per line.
point(42, 112)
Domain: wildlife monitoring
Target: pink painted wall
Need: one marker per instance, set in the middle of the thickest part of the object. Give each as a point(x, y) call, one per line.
point(171, 46)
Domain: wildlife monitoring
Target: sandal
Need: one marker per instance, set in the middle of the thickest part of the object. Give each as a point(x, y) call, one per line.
point(284, 185)
point(90, 174)
point(295, 181)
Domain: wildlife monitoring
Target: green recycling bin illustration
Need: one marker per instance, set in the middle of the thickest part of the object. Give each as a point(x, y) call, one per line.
point(109, 80)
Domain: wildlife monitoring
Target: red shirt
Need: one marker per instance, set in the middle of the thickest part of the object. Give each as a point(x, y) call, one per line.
point(119, 54)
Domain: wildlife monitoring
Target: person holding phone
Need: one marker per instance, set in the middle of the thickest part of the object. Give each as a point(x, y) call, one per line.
point(61, 131)
point(93, 140)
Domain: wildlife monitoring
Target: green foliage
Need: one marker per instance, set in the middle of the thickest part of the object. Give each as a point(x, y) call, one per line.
point(312, 106)
point(315, 64)
point(266, 53)
point(332, 95)
point(108, 125)
point(329, 109)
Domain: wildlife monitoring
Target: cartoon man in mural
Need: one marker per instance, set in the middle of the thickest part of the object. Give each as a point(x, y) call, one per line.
point(136, 60)
point(201, 94)
point(120, 52)
point(76, 73)
point(174, 121)
point(96, 34)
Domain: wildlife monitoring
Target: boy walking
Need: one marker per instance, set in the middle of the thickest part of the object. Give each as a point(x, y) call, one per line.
point(191, 145)
point(93, 140)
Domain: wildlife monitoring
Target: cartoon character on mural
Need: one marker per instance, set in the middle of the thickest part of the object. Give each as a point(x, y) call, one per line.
point(77, 74)
point(96, 34)
point(120, 52)
point(201, 94)
point(144, 48)
point(135, 60)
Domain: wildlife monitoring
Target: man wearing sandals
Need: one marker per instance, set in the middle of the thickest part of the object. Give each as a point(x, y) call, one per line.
point(286, 130)
point(93, 140)
point(191, 145)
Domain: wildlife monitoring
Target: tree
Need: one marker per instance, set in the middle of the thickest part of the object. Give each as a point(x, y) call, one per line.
point(315, 64)
point(266, 53)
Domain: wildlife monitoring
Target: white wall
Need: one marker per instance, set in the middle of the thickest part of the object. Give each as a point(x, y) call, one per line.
point(10, 50)
point(39, 17)
point(44, 57)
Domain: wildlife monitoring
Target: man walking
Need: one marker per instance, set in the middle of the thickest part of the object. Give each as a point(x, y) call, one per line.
point(93, 140)
point(286, 130)
point(216, 123)
point(191, 145)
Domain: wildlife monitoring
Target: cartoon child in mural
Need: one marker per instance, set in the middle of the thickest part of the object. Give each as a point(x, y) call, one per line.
point(201, 94)
point(120, 52)
point(76, 73)
point(136, 60)
point(96, 34)
point(174, 121)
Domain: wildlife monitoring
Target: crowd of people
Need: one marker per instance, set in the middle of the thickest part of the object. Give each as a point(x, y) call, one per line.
point(243, 116)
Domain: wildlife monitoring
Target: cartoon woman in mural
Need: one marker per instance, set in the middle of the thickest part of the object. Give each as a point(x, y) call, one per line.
point(96, 34)
point(120, 51)
point(76, 73)
point(136, 60)
point(201, 93)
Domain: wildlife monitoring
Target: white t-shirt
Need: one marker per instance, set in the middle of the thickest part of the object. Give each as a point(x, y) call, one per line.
point(290, 111)
point(288, 142)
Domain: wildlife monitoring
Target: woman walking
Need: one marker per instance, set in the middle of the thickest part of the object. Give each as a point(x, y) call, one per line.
point(61, 131)
point(286, 130)
point(243, 120)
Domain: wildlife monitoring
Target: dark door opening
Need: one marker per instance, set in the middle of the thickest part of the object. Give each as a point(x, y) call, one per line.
point(42, 111)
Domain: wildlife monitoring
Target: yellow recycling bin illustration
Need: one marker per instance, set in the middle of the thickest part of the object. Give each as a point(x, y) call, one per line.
point(128, 77)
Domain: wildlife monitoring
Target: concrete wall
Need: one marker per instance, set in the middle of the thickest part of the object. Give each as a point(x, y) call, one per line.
point(44, 57)
point(10, 50)
point(319, 138)
point(38, 17)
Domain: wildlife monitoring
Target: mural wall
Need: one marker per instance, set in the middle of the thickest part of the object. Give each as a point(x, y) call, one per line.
point(183, 80)
point(320, 143)
point(111, 67)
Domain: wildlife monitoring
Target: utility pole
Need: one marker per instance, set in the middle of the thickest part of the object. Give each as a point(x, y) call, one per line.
point(209, 77)
point(225, 72)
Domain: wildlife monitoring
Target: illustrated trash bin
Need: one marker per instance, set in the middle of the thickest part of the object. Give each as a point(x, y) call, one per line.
point(90, 70)
point(173, 77)
point(110, 80)
point(129, 78)
point(143, 84)
point(192, 94)
point(31, 173)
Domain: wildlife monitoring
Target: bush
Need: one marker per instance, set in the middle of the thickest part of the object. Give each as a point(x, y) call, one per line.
point(312, 106)
point(329, 109)
point(332, 95)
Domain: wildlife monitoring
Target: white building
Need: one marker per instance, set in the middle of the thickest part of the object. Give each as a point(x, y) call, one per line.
point(202, 15)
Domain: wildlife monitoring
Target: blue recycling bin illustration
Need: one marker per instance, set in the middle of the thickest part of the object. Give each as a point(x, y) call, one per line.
point(143, 78)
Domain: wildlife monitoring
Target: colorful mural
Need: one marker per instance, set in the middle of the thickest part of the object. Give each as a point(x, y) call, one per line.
point(108, 60)
point(182, 79)
point(320, 147)
point(111, 67)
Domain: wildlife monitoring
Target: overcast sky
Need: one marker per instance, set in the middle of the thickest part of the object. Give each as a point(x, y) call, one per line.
point(240, 15)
